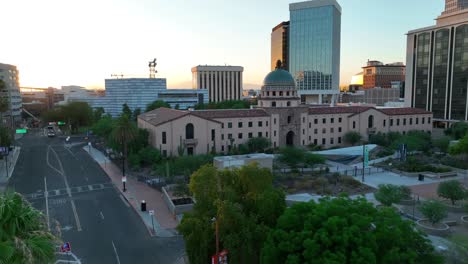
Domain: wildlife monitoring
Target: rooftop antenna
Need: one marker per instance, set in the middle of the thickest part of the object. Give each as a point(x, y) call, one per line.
point(152, 68)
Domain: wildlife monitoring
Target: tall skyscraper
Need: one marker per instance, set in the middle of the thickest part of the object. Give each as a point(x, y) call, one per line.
point(437, 65)
point(314, 49)
point(10, 77)
point(222, 82)
point(280, 45)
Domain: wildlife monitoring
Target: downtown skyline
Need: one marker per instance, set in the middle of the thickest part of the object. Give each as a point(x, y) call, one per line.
point(55, 43)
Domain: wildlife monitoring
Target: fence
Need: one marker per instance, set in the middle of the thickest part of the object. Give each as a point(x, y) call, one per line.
point(358, 171)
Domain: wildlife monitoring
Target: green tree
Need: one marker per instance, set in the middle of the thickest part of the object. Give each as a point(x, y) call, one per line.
point(378, 139)
point(258, 144)
point(76, 114)
point(5, 136)
point(103, 127)
point(388, 194)
point(352, 138)
point(157, 104)
point(452, 190)
point(415, 141)
point(344, 230)
point(136, 113)
point(123, 133)
point(98, 114)
point(23, 233)
point(292, 156)
point(126, 110)
point(442, 144)
point(461, 147)
point(433, 210)
point(245, 205)
point(311, 159)
point(457, 130)
point(230, 104)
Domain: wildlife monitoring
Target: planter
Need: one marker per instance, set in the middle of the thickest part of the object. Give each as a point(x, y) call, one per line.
point(464, 220)
point(454, 208)
point(441, 230)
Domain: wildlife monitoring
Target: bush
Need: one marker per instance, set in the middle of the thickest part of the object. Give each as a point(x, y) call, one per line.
point(388, 194)
point(134, 161)
point(350, 181)
point(149, 155)
point(452, 190)
point(454, 162)
point(405, 192)
point(414, 165)
point(434, 211)
point(385, 152)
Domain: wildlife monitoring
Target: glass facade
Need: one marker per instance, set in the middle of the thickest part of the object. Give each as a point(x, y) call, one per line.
point(439, 89)
point(460, 74)
point(422, 70)
point(314, 37)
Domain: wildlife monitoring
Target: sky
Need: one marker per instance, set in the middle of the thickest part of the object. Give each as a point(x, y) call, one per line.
point(65, 42)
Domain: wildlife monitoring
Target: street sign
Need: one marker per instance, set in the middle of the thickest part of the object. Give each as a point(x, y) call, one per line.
point(366, 156)
point(66, 247)
point(52, 123)
point(124, 179)
point(221, 258)
point(151, 212)
point(21, 131)
point(60, 123)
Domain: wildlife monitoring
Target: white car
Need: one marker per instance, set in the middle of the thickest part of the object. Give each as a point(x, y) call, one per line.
point(51, 133)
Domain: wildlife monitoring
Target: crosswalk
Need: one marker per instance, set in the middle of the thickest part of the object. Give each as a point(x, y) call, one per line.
point(74, 190)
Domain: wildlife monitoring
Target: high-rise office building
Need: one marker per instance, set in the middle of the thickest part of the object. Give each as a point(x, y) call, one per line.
point(10, 77)
point(280, 45)
point(314, 49)
point(437, 66)
point(222, 82)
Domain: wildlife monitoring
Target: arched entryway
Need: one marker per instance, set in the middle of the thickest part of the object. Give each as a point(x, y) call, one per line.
point(290, 138)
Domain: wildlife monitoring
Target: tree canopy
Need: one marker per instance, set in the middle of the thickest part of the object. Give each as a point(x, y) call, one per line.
point(258, 144)
point(388, 194)
point(230, 104)
point(293, 157)
point(157, 104)
point(75, 114)
point(352, 138)
point(433, 210)
point(457, 130)
point(452, 190)
point(23, 234)
point(244, 203)
point(343, 230)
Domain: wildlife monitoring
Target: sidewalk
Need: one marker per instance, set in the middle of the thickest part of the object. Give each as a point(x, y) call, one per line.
point(164, 222)
point(12, 159)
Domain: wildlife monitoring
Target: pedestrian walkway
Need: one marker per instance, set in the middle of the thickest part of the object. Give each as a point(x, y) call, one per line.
point(7, 166)
point(163, 221)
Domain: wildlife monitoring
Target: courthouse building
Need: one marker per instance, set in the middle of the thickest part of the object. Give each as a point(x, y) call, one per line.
point(279, 117)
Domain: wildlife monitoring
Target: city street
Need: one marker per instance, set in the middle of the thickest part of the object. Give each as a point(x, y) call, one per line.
point(83, 205)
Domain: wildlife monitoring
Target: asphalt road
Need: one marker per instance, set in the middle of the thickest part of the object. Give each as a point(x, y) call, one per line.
point(83, 206)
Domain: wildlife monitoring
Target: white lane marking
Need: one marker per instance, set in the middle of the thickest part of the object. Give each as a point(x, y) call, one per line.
point(102, 216)
point(46, 195)
point(77, 219)
point(48, 162)
point(124, 201)
point(116, 254)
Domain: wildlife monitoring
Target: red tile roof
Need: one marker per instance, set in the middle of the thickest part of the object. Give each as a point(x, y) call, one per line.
point(162, 115)
point(338, 110)
point(230, 113)
point(403, 111)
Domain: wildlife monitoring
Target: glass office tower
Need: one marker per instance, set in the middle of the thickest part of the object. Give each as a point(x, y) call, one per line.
point(314, 49)
point(437, 66)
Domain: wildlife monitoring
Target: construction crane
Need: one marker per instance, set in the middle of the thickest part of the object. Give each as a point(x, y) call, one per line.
point(152, 68)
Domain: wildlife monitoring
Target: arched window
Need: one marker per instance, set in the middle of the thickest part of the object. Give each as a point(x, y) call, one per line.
point(273, 104)
point(189, 131)
point(370, 121)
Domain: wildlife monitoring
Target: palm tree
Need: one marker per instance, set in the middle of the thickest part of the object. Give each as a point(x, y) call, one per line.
point(23, 234)
point(124, 132)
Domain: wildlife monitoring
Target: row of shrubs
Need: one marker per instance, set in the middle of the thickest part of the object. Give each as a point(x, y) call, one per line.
point(414, 165)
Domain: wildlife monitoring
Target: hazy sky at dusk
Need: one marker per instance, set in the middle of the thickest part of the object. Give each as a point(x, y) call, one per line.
point(63, 42)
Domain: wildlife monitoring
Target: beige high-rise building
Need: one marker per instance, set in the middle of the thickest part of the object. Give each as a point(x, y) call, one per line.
point(222, 82)
point(10, 76)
